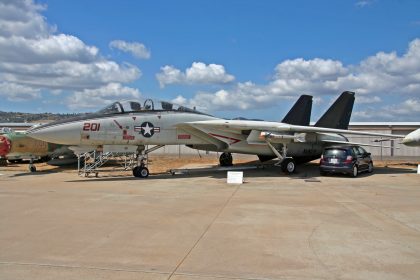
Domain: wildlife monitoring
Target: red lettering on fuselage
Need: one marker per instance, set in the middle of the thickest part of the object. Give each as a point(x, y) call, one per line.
point(91, 126)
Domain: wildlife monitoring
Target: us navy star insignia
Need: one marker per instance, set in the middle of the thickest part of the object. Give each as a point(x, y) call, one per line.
point(147, 129)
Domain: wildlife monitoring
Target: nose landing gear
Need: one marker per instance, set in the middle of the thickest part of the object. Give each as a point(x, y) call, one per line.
point(141, 170)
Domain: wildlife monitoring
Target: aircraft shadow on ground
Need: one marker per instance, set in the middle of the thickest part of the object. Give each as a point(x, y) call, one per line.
point(309, 172)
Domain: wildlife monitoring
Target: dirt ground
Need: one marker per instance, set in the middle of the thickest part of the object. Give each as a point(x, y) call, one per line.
point(163, 163)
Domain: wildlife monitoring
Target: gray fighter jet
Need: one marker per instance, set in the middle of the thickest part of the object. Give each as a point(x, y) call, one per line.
point(131, 125)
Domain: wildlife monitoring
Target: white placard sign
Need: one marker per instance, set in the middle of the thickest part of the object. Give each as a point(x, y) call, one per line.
point(418, 169)
point(235, 177)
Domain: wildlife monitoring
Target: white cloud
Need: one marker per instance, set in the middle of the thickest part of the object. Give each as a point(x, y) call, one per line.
point(198, 73)
point(35, 58)
point(94, 98)
point(316, 69)
point(136, 49)
point(377, 76)
point(16, 92)
point(170, 75)
point(368, 99)
point(408, 110)
point(180, 100)
point(363, 3)
point(23, 18)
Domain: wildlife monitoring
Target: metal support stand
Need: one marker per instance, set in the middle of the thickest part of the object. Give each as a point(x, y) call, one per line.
point(93, 160)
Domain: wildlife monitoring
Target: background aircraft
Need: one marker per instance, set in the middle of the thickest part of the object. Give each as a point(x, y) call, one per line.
point(138, 124)
point(412, 139)
point(15, 147)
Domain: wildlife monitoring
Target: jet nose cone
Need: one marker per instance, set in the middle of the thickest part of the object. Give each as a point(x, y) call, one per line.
point(5, 146)
point(412, 139)
point(406, 140)
point(65, 134)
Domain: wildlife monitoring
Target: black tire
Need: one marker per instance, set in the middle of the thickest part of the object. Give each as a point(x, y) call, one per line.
point(370, 167)
point(355, 171)
point(288, 166)
point(144, 172)
point(141, 172)
point(136, 171)
point(32, 168)
point(322, 173)
point(226, 159)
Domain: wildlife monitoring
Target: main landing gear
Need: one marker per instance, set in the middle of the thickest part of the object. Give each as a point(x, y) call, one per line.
point(226, 159)
point(287, 164)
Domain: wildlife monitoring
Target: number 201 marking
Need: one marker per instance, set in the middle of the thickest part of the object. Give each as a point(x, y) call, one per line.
point(91, 126)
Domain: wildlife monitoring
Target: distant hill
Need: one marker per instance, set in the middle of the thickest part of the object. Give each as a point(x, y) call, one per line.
point(33, 117)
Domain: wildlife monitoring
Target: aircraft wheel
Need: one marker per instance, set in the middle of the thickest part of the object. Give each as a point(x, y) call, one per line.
point(355, 171)
point(144, 172)
point(141, 172)
point(288, 165)
point(136, 171)
point(226, 159)
point(32, 168)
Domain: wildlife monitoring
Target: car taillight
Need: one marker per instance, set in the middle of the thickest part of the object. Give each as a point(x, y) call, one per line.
point(349, 159)
point(322, 159)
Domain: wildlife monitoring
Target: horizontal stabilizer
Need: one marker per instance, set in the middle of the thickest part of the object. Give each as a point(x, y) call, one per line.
point(356, 143)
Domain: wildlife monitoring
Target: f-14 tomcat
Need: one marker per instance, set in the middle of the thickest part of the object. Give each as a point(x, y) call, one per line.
point(138, 124)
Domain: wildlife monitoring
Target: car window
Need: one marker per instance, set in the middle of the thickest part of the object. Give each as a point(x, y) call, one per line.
point(355, 151)
point(337, 153)
point(361, 150)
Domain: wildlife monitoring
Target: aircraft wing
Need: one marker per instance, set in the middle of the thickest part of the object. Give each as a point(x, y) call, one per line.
point(236, 126)
point(357, 143)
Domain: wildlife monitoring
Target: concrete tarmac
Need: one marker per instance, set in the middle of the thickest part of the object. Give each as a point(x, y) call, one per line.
point(62, 226)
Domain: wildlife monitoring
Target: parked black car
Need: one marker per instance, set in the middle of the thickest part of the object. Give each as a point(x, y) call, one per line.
point(349, 159)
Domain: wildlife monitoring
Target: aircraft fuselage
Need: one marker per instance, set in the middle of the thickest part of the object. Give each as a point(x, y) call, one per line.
point(163, 128)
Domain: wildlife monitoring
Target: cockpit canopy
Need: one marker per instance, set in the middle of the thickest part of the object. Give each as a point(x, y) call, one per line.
point(128, 106)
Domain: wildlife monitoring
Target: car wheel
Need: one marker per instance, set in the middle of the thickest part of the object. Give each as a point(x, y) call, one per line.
point(370, 167)
point(355, 171)
point(322, 173)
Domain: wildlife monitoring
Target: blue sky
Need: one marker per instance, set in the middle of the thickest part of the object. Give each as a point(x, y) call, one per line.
point(229, 58)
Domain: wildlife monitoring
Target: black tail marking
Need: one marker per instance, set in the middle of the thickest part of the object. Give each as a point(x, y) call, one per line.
point(338, 115)
point(300, 114)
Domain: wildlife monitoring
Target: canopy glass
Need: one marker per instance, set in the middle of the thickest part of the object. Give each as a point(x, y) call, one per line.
point(128, 106)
